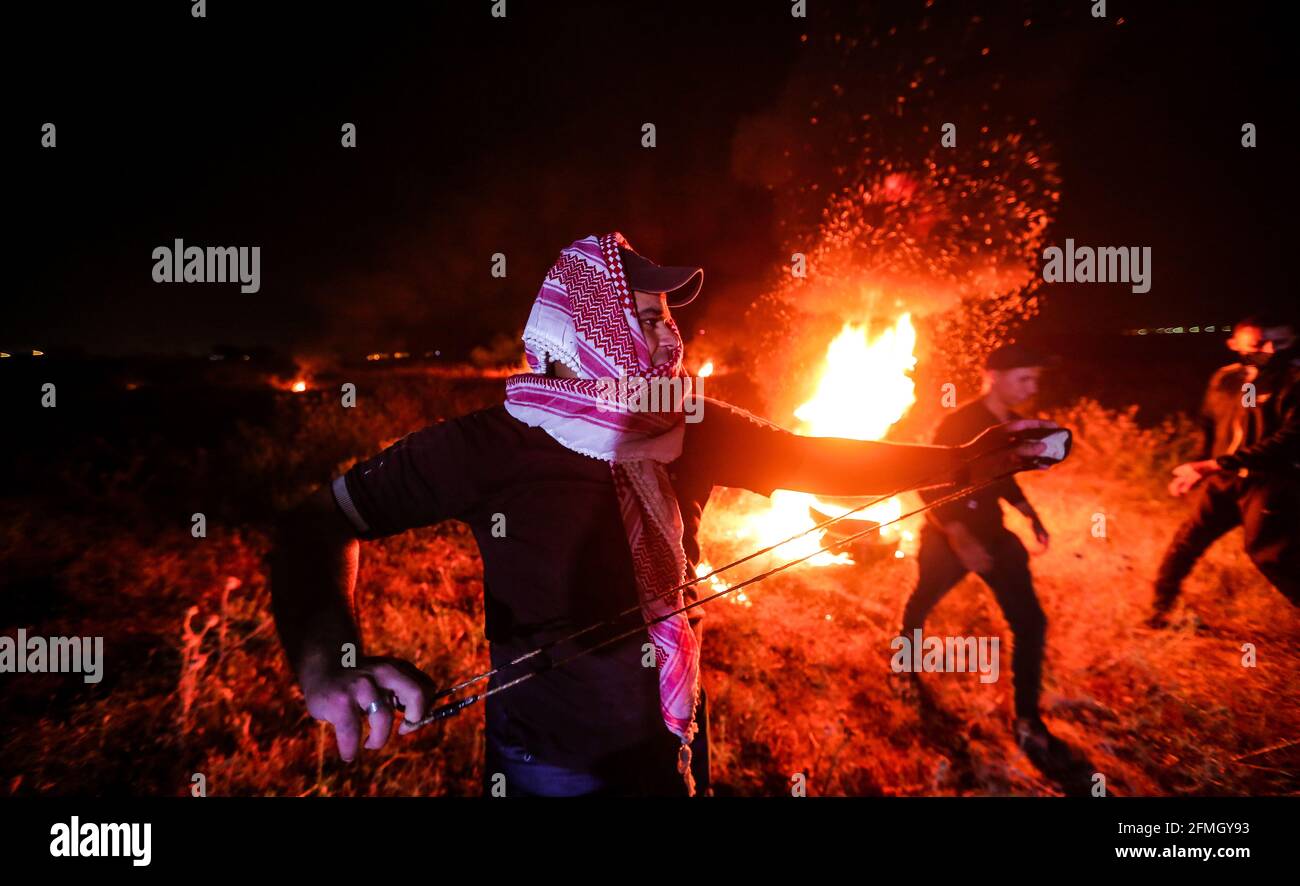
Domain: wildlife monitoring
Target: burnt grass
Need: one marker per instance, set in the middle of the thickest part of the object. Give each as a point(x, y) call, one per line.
point(95, 540)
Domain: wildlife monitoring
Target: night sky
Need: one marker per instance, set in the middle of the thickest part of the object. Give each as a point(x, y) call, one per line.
point(478, 135)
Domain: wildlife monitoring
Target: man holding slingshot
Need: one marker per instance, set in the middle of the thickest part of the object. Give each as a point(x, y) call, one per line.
point(584, 512)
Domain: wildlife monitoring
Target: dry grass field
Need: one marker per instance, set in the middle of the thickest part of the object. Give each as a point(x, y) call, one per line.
point(799, 679)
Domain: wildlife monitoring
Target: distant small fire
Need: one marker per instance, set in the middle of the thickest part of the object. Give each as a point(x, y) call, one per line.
point(297, 382)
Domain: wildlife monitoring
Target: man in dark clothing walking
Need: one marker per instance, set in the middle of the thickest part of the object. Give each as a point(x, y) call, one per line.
point(582, 510)
point(1249, 471)
point(967, 535)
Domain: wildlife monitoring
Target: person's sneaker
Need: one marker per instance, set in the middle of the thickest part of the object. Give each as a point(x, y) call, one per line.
point(1164, 604)
point(1032, 737)
point(1158, 620)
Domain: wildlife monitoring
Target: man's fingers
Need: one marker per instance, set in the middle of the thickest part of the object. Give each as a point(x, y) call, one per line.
point(347, 730)
point(381, 726)
point(412, 687)
point(366, 694)
point(1031, 450)
point(1002, 436)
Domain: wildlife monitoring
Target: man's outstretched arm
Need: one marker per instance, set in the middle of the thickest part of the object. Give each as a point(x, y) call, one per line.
point(313, 577)
point(763, 457)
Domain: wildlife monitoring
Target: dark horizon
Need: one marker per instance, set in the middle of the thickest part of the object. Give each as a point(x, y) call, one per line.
point(477, 136)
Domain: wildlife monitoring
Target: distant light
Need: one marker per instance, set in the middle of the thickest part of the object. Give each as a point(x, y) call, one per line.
point(3, 355)
point(437, 353)
point(36, 353)
point(216, 356)
point(706, 370)
point(1175, 330)
point(898, 555)
point(299, 387)
point(246, 357)
point(400, 355)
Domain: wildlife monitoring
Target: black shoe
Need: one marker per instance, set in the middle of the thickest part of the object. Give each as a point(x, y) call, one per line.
point(1033, 738)
point(1158, 621)
point(1164, 604)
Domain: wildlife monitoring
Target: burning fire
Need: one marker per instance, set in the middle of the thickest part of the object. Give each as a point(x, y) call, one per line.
point(856, 367)
point(297, 383)
point(716, 584)
point(863, 389)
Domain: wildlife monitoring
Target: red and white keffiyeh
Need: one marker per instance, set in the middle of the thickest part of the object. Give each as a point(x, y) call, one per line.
point(585, 317)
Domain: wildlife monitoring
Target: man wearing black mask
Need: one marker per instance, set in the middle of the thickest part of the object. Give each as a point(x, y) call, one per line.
point(1250, 476)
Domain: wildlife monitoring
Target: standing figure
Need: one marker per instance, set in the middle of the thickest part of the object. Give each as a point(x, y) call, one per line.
point(967, 535)
point(1249, 471)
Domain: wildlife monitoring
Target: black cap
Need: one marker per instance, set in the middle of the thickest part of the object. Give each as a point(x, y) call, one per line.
point(681, 283)
point(1016, 357)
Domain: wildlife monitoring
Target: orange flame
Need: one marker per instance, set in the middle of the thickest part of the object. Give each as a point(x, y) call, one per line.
point(863, 390)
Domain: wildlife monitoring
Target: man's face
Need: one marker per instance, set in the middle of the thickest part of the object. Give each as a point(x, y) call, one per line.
point(1014, 386)
point(652, 312)
point(1257, 346)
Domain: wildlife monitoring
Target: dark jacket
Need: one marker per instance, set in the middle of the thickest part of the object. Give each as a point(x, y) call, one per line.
point(980, 511)
point(1221, 410)
point(561, 561)
point(1271, 428)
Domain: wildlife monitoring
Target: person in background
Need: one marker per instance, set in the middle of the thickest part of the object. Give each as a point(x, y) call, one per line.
point(967, 535)
point(1249, 470)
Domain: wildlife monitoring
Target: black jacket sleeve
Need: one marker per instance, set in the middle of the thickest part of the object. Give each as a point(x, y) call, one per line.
point(751, 453)
point(437, 473)
point(1280, 449)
